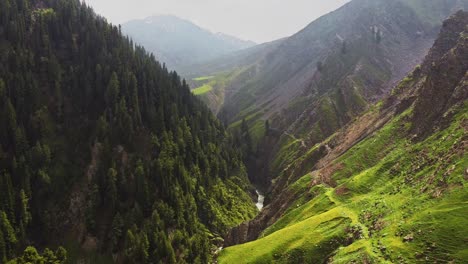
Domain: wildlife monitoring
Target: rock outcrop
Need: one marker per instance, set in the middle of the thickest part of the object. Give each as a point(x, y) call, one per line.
point(449, 54)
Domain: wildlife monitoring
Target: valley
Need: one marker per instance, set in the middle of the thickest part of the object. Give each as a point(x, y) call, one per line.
point(180, 43)
point(372, 194)
point(158, 141)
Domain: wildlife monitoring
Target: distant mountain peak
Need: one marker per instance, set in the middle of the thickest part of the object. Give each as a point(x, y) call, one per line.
point(179, 42)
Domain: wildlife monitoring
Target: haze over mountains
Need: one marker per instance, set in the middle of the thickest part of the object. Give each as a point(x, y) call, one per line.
point(178, 42)
point(344, 143)
point(283, 71)
point(307, 87)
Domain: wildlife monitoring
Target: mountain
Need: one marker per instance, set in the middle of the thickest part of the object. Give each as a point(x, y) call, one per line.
point(353, 55)
point(389, 187)
point(178, 42)
point(313, 83)
point(103, 150)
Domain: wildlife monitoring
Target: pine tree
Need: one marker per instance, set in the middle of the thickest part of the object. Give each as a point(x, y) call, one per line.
point(111, 191)
point(3, 250)
point(129, 245)
point(93, 203)
point(21, 142)
point(31, 255)
point(24, 214)
point(8, 234)
point(124, 122)
point(3, 92)
point(247, 139)
point(61, 254)
point(142, 188)
point(112, 92)
point(116, 232)
point(49, 256)
point(10, 122)
point(135, 100)
point(69, 81)
point(7, 195)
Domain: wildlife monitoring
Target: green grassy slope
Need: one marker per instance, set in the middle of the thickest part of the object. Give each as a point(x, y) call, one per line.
point(212, 89)
point(393, 202)
point(391, 188)
point(202, 89)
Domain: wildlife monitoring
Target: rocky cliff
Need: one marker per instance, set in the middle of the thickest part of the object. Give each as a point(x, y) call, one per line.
point(426, 102)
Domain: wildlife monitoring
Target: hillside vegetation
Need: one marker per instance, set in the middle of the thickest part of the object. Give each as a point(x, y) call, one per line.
point(391, 187)
point(103, 150)
point(320, 79)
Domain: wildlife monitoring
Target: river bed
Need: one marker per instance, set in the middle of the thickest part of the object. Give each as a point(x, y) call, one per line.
point(260, 200)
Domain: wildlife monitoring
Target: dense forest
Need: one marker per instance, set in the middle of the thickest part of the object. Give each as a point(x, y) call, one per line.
point(102, 146)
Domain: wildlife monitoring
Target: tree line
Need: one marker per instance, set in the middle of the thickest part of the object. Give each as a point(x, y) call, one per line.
point(86, 112)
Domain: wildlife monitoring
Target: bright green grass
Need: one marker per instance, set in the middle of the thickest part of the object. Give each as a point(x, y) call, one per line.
point(215, 87)
point(390, 188)
point(203, 78)
point(250, 118)
point(308, 241)
point(202, 89)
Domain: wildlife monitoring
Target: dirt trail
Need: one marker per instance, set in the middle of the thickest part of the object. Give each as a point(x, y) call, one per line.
point(303, 144)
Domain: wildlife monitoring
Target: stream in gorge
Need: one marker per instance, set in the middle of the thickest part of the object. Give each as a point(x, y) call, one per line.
point(260, 200)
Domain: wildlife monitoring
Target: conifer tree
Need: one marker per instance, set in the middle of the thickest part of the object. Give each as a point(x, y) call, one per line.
point(9, 235)
point(116, 231)
point(7, 195)
point(77, 97)
point(112, 92)
point(111, 191)
point(135, 100)
point(3, 249)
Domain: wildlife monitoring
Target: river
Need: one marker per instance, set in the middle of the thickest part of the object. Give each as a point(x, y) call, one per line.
point(260, 200)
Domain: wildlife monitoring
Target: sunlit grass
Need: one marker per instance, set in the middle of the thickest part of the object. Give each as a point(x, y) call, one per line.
point(203, 78)
point(387, 187)
point(202, 89)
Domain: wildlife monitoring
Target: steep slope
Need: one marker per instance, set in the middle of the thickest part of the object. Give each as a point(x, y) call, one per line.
point(102, 149)
point(311, 84)
point(390, 187)
point(322, 77)
point(366, 67)
point(373, 43)
point(225, 73)
point(178, 42)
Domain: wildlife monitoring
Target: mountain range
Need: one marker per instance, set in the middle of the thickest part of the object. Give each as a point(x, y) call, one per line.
point(349, 57)
point(390, 187)
point(311, 84)
point(178, 42)
point(344, 143)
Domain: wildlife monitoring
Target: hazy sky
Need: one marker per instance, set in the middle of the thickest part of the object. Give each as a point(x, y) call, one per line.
point(257, 20)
